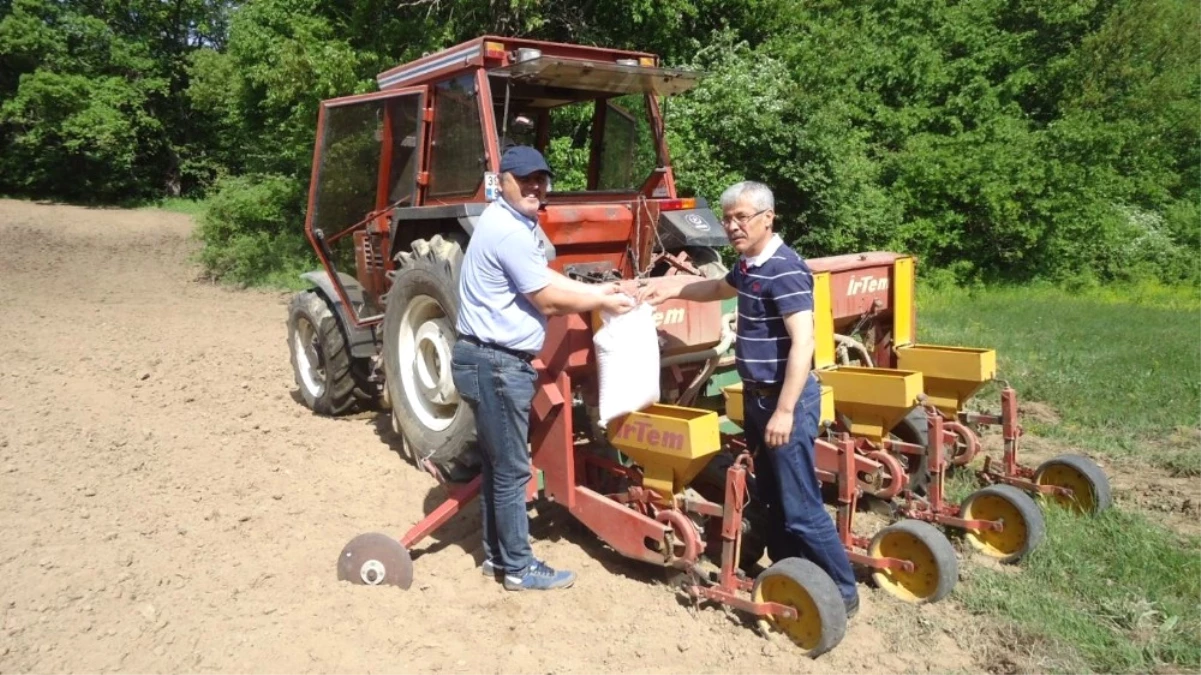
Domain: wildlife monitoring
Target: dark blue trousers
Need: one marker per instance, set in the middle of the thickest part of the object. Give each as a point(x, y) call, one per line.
point(499, 388)
point(787, 484)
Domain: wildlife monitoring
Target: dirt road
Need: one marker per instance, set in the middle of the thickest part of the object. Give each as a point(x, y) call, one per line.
point(167, 505)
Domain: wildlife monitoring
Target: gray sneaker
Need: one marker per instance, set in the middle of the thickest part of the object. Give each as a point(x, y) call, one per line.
point(539, 577)
point(490, 569)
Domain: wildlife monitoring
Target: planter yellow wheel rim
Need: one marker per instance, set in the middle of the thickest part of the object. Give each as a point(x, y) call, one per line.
point(1023, 526)
point(821, 620)
point(1062, 475)
point(806, 629)
point(1086, 480)
point(935, 567)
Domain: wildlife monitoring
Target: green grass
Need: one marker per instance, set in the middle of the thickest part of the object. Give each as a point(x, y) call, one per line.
point(191, 207)
point(1120, 365)
point(1113, 594)
point(1122, 369)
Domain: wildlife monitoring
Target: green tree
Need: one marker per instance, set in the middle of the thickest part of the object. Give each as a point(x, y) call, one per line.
point(92, 91)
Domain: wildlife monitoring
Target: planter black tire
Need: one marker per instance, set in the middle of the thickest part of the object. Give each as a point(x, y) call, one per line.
point(822, 617)
point(1079, 473)
point(1024, 524)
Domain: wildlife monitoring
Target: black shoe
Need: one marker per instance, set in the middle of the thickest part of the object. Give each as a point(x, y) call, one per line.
point(852, 607)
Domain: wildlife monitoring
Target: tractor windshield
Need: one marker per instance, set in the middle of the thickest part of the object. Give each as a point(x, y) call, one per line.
point(593, 121)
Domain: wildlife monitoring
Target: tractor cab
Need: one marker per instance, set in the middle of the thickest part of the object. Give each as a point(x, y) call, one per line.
point(394, 166)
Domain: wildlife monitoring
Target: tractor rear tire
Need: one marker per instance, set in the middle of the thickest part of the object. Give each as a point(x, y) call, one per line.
point(321, 362)
point(915, 429)
point(419, 334)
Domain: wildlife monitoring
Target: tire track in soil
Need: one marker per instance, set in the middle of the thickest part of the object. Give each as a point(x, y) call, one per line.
point(169, 505)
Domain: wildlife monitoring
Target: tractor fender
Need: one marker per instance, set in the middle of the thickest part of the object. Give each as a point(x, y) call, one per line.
point(363, 342)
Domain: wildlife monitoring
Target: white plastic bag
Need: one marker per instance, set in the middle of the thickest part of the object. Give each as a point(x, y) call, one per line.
point(627, 362)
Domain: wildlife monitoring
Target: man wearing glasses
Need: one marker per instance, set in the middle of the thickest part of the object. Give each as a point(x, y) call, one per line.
point(506, 291)
point(782, 398)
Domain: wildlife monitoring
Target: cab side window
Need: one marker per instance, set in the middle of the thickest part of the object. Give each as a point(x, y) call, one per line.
point(457, 160)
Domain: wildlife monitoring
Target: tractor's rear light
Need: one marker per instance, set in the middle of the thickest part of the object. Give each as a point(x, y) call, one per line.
point(494, 50)
point(646, 61)
point(677, 204)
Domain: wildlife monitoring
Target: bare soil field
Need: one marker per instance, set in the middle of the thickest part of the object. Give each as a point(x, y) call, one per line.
point(167, 505)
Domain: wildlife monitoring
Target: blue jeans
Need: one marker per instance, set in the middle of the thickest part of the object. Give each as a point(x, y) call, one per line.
point(499, 388)
point(786, 483)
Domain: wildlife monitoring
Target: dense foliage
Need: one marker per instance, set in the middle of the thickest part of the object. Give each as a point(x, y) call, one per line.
point(997, 139)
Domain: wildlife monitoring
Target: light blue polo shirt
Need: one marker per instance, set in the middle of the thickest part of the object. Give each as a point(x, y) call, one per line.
point(504, 261)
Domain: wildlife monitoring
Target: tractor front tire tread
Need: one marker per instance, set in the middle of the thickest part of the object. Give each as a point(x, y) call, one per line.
point(338, 396)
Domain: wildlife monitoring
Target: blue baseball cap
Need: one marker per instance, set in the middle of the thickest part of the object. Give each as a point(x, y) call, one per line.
point(522, 160)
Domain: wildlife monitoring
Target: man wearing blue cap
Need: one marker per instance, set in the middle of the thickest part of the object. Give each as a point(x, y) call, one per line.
point(506, 291)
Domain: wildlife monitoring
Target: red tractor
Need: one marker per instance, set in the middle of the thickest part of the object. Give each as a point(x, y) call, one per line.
point(400, 178)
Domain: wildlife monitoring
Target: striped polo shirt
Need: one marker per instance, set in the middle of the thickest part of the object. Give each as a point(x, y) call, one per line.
point(771, 285)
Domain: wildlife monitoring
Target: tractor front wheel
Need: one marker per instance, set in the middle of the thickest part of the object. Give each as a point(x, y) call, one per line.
point(419, 334)
point(321, 361)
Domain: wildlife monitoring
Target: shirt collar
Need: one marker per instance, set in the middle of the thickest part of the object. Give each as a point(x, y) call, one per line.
point(529, 222)
point(773, 245)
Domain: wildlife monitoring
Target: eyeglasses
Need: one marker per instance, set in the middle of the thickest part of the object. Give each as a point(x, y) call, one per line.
point(741, 221)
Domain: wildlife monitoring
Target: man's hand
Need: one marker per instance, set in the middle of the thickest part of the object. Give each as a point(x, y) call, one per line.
point(652, 291)
point(611, 287)
point(616, 302)
point(779, 429)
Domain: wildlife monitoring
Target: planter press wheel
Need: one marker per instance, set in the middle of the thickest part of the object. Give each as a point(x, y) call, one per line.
point(935, 567)
point(914, 428)
point(821, 619)
point(375, 559)
point(1089, 484)
point(1023, 522)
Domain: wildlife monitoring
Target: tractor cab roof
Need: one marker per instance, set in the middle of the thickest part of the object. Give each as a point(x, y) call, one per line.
point(565, 72)
point(598, 77)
